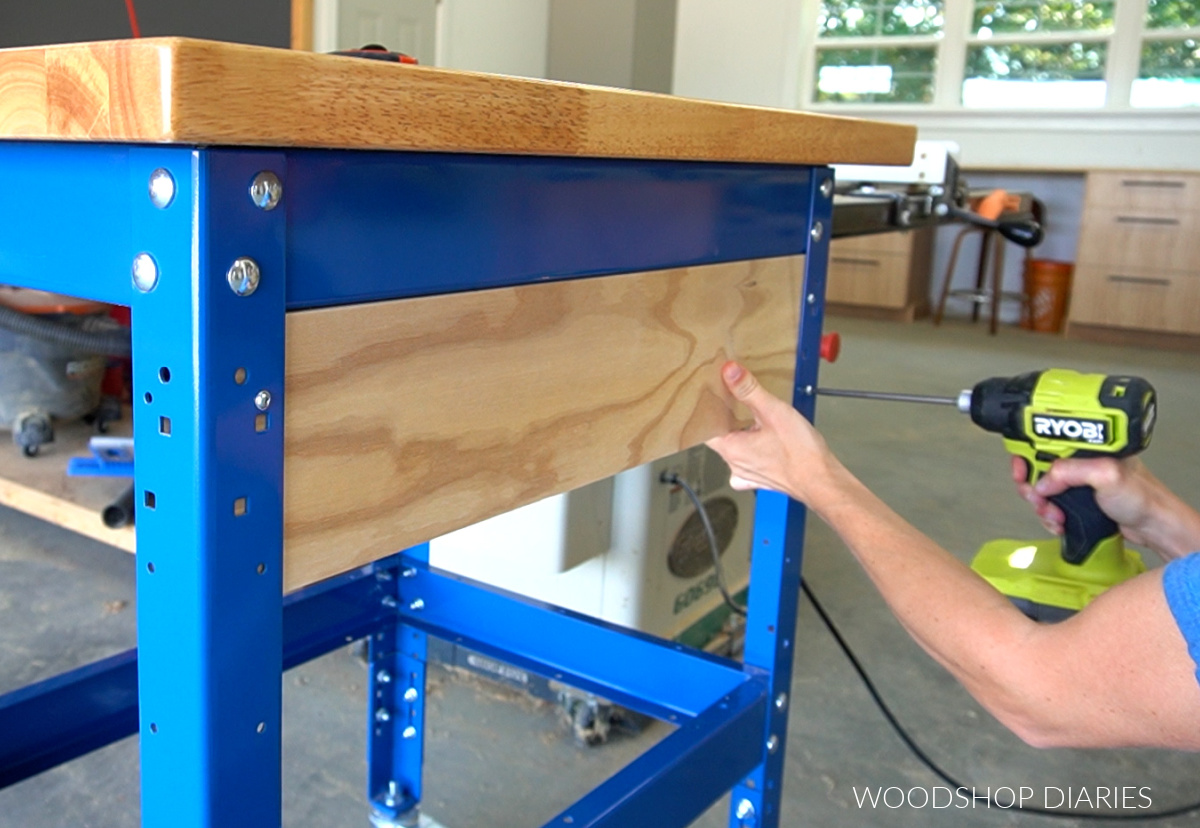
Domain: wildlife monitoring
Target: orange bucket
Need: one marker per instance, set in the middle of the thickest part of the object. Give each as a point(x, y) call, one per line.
point(1048, 287)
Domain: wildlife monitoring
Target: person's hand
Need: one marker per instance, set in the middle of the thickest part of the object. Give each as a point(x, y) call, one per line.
point(781, 451)
point(1126, 491)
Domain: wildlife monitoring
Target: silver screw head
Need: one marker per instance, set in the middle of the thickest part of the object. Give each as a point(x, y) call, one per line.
point(266, 190)
point(811, 298)
point(389, 601)
point(416, 605)
point(781, 701)
point(243, 276)
point(162, 188)
point(145, 272)
point(408, 572)
point(410, 695)
point(383, 715)
point(262, 400)
point(409, 732)
point(808, 390)
point(772, 743)
point(383, 677)
point(745, 809)
point(817, 232)
point(827, 187)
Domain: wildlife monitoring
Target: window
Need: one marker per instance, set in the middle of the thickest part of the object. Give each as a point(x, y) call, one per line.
point(1169, 65)
point(1008, 54)
point(875, 52)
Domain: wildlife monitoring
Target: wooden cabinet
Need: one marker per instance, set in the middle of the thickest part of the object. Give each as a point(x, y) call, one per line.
point(885, 275)
point(1138, 268)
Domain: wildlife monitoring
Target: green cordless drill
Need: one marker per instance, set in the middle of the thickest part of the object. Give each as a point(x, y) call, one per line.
point(1045, 416)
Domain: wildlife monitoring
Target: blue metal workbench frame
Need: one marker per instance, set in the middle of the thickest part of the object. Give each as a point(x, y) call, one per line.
point(203, 687)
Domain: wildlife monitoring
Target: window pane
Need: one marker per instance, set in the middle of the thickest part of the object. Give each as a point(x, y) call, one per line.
point(900, 75)
point(1169, 75)
point(1173, 14)
point(1066, 75)
point(1037, 61)
point(879, 18)
point(1032, 16)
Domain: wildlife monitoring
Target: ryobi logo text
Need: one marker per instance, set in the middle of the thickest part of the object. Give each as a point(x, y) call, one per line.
point(1074, 430)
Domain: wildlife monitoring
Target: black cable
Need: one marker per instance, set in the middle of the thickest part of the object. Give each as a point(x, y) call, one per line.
point(916, 750)
point(941, 774)
point(676, 480)
point(112, 341)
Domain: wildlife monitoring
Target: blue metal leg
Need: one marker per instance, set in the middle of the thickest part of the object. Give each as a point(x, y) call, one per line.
point(778, 544)
point(396, 710)
point(64, 717)
point(208, 424)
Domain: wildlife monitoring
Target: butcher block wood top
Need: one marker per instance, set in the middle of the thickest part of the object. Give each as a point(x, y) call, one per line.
point(183, 91)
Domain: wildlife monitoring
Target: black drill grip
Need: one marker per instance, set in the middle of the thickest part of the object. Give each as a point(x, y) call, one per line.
point(1085, 524)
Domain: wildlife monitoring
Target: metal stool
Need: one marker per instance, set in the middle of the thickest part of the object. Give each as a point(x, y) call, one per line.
point(981, 294)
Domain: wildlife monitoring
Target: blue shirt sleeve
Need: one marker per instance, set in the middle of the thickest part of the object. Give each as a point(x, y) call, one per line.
point(1181, 582)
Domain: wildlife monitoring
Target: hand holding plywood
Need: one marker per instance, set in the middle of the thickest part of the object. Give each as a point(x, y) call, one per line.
point(410, 418)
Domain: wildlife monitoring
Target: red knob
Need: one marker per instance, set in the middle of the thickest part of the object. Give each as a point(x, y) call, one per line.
point(831, 346)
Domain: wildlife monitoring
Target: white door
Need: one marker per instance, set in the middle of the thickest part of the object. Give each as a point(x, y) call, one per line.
point(408, 26)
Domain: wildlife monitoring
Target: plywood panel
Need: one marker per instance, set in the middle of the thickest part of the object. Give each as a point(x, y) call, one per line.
point(411, 418)
point(200, 92)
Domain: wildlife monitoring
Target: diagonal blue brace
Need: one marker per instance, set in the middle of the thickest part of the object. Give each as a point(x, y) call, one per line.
point(677, 779)
point(647, 674)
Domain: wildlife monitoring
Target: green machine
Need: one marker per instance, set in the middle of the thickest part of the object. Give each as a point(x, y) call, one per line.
point(1046, 416)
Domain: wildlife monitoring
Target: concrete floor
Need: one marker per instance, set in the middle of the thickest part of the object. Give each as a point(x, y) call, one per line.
point(496, 760)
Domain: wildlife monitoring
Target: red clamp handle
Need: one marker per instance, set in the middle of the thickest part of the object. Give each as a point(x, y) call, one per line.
point(831, 346)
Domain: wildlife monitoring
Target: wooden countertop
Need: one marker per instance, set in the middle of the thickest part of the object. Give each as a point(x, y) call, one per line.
point(178, 90)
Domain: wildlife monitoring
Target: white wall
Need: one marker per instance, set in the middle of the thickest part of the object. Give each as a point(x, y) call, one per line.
point(508, 37)
point(624, 43)
point(1058, 140)
point(592, 42)
point(742, 52)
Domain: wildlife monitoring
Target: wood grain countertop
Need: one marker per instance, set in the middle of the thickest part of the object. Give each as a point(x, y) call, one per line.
point(183, 91)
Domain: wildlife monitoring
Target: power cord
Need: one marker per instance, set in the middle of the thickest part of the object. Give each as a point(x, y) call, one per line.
point(676, 480)
point(916, 750)
point(933, 766)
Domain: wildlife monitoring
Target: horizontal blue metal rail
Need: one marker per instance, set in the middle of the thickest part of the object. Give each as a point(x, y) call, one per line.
point(64, 717)
point(363, 226)
point(647, 674)
point(677, 779)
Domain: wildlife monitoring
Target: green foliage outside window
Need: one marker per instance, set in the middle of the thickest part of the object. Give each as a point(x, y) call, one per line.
point(1020, 16)
point(1172, 14)
point(879, 18)
point(1026, 61)
point(1171, 59)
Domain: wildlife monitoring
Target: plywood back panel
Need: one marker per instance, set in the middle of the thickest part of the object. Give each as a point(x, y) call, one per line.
point(200, 92)
point(408, 419)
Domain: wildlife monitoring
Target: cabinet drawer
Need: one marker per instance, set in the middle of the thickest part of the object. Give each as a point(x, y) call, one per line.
point(1142, 240)
point(1136, 298)
point(1157, 192)
point(867, 278)
point(898, 242)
